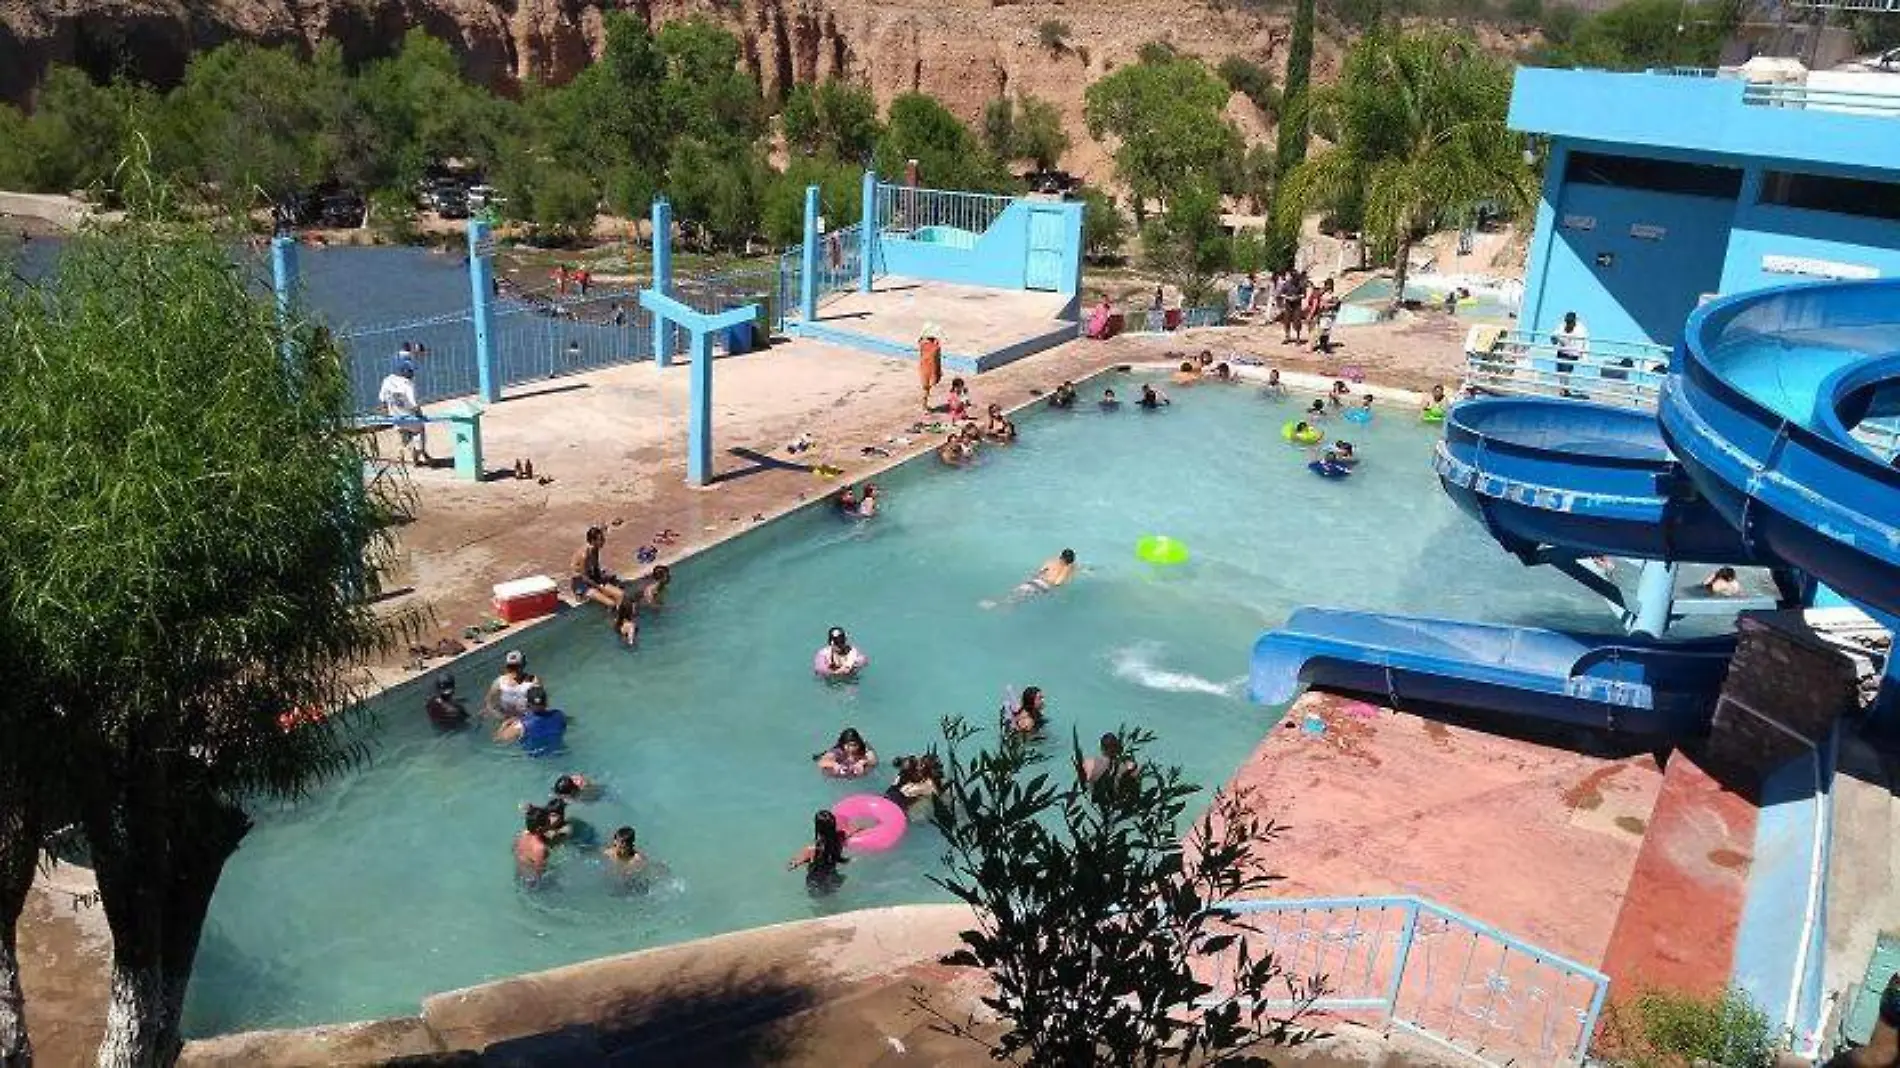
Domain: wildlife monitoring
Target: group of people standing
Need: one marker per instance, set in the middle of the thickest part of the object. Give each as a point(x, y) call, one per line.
point(1297, 303)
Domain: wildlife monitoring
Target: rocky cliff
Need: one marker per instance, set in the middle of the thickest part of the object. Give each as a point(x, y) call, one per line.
point(965, 52)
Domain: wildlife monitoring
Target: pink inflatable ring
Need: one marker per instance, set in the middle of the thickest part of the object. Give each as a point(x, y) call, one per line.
point(821, 663)
point(887, 822)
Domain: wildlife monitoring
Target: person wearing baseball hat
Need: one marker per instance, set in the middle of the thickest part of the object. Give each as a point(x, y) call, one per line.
point(508, 694)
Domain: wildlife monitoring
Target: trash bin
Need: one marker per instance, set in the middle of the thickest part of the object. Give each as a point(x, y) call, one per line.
point(465, 432)
point(738, 339)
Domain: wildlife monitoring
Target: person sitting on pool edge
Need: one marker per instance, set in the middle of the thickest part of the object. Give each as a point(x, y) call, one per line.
point(824, 856)
point(589, 578)
point(1108, 402)
point(1027, 718)
point(1152, 398)
point(542, 731)
point(849, 758)
point(1064, 396)
point(446, 711)
point(959, 403)
point(1722, 582)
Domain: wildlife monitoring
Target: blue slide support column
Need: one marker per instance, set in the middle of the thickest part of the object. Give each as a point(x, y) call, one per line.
point(699, 416)
point(481, 290)
point(1655, 598)
point(867, 233)
point(662, 278)
point(808, 259)
point(283, 274)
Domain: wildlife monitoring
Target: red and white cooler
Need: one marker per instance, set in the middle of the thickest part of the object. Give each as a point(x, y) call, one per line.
point(526, 598)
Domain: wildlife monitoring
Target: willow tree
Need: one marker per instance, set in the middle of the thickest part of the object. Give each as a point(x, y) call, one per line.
point(1421, 139)
point(185, 551)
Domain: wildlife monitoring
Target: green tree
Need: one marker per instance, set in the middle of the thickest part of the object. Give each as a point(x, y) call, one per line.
point(1251, 177)
point(834, 118)
point(422, 111)
point(1025, 128)
point(612, 118)
point(839, 189)
point(706, 95)
point(949, 156)
point(1638, 34)
point(246, 121)
point(1421, 139)
point(1094, 921)
point(1187, 244)
point(79, 131)
point(1167, 125)
point(214, 466)
point(1104, 227)
point(560, 201)
point(719, 188)
point(1253, 81)
point(1294, 107)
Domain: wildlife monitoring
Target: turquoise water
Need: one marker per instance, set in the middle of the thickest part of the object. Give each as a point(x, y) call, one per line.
point(1368, 300)
point(950, 236)
point(397, 881)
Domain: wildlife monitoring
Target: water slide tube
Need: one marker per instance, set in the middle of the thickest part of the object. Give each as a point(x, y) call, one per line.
point(1628, 685)
point(1761, 408)
point(1586, 479)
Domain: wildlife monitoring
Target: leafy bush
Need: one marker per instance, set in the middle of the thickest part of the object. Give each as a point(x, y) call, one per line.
point(1253, 81)
point(1054, 34)
point(1671, 1029)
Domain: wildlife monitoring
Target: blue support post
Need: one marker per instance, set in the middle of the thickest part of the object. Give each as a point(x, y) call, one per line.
point(1530, 315)
point(699, 414)
point(1655, 598)
point(808, 259)
point(283, 274)
point(662, 278)
point(867, 234)
point(481, 291)
point(1399, 958)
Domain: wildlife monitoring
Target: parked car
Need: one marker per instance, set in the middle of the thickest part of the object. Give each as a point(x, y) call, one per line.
point(449, 200)
point(342, 210)
point(484, 196)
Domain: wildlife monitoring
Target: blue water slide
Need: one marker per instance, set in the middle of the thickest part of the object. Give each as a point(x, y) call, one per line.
point(1580, 478)
point(1768, 408)
point(1627, 685)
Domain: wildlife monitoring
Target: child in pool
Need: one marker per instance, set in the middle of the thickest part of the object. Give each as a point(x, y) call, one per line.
point(1028, 717)
point(824, 856)
point(1317, 411)
point(1108, 402)
point(1274, 387)
point(849, 758)
point(628, 866)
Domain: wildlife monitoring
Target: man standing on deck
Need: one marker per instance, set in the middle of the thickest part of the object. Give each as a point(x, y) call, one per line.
point(398, 398)
point(1572, 341)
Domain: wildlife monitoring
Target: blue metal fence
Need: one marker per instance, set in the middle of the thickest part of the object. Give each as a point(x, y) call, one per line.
point(839, 254)
point(907, 209)
point(1432, 972)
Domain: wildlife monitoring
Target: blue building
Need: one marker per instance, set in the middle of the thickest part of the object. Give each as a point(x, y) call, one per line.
point(1663, 189)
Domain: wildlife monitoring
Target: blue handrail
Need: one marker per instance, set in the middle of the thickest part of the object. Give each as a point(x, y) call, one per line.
point(1432, 972)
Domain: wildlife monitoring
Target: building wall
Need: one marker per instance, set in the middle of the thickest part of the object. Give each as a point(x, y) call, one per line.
point(1768, 230)
point(1647, 287)
point(1000, 258)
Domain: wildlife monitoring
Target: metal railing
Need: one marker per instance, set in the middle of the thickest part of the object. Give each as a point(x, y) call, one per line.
point(1627, 373)
point(1431, 972)
point(905, 210)
point(1850, 101)
point(840, 254)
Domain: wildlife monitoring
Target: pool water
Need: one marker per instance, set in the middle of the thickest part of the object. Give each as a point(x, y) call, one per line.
point(1368, 301)
point(397, 881)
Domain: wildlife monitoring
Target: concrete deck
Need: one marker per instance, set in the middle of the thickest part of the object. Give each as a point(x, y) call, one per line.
point(981, 329)
point(1537, 841)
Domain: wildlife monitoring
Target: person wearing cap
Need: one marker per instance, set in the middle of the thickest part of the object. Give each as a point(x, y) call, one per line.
point(446, 711)
point(397, 395)
point(838, 659)
point(541, 730)
point(508, 694)
point(590, 579)
point(929, 362)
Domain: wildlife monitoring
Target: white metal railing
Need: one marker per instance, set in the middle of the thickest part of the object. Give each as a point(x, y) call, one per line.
point(1850, 101)
point(1625, 373)
point(903, 209)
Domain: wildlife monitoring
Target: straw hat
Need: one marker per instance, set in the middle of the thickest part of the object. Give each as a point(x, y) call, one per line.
point(931, 329)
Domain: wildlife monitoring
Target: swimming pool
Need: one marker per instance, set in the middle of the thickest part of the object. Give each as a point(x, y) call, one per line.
point(396, 881)
point(1368, 300)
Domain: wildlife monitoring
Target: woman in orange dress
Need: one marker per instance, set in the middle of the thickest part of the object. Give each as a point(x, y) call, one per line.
point(929, 363)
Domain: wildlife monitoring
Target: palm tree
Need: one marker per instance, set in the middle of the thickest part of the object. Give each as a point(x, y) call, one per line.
point(1419, 137)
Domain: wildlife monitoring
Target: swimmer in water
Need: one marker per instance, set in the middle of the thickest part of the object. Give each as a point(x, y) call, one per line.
point(572, 789)
point(1028, 717)
point(446, 711)
point(1152, 398)
point(1365, 403)
point(1108, 402)
point(952, 452)
point(1301, 428)
point(856, 505)
point(1223, 373)
point(1339, 393)
point(993, 423)
point(1317, 411)
point(1111, 759)
point(824, 856)
point(1055, 571)
point(1328, 465)
point(531, 847)
point(508, 695)
point(1722, 582)
point(849, 758)
point(541, 731)
point(1344, 454)
point(1064, 396)
point(839, 659)
point(1274, 387)
point(1186, 375)
point(1437, 401)
point(628, 866)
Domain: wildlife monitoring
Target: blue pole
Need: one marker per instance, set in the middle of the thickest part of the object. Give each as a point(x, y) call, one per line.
point(1655, 597)
point(481, 287)
point(283, 273)
point(662, 279)
point(699, 416)
point(867, 233)
point(808, 259)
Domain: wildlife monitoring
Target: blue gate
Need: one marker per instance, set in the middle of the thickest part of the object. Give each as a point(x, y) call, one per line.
point(1045, 251)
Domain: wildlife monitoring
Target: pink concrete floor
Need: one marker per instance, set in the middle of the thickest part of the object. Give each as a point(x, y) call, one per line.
point(1538, 841)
